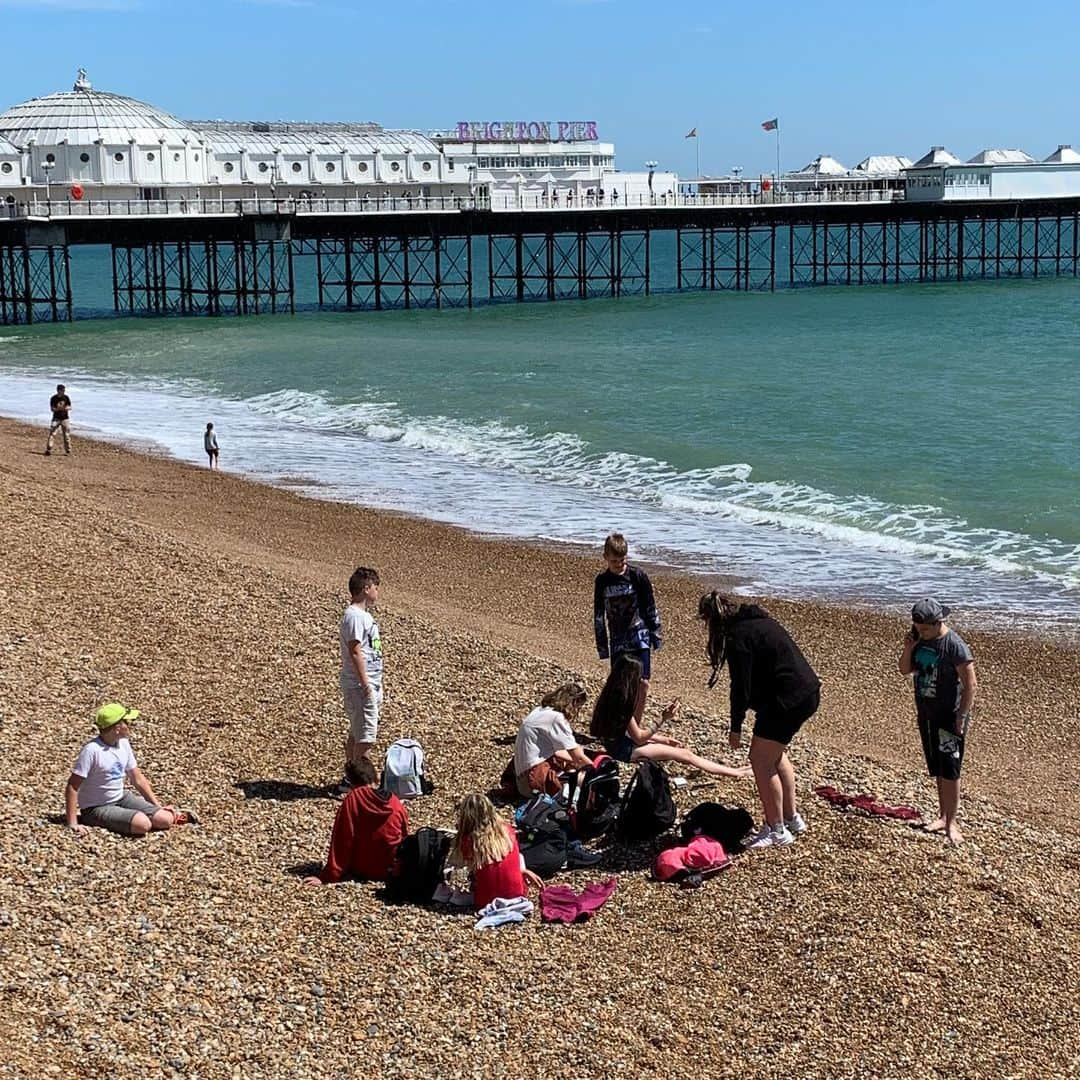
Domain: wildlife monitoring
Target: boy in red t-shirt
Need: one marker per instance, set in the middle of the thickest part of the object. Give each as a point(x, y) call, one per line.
point(369, 826)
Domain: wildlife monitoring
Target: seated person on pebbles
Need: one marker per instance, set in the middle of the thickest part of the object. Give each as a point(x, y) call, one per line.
point(95, 793)
point(368, 829)
point(545, 747)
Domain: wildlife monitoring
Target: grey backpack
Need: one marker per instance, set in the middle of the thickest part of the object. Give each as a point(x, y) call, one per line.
point(403, 772)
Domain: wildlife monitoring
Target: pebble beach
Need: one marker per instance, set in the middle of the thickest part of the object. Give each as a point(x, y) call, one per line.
point(211, 604)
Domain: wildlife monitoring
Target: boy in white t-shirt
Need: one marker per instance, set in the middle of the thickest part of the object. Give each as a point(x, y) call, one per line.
point(361, 670)
point(95, 792)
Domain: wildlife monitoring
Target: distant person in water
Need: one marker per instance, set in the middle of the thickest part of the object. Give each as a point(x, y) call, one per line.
point(210, 445)
point(60, 404)
point(945, 684)
point(614, 722)
point(770, 675)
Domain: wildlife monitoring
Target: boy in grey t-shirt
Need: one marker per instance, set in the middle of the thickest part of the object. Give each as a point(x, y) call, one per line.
point(945, 684)
point(361, 670)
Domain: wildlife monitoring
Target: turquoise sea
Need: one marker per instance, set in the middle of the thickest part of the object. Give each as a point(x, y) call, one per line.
point(863, 444)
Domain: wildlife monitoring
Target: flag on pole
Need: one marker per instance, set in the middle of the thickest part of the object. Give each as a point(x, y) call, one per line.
point(692, 133)
point(770, 125)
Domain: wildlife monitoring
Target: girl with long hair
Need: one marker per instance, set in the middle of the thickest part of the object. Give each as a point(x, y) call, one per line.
point(545, 746)
point(770, 675)
point(614, 723)
point(487, 846)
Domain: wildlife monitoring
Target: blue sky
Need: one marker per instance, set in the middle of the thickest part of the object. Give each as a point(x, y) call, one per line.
point(844, 78)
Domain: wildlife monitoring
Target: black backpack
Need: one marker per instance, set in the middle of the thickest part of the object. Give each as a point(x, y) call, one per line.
point(594, 798)
point(728, 824)
point(418, 870)
point(647, 807)
point(542, 828)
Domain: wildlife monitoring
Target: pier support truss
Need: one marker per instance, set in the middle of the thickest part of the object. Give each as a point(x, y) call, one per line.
point(742, 258)
point(941, 248)
point(204, 277)
point(563, 265)
point(35, 283)
point(378, 272)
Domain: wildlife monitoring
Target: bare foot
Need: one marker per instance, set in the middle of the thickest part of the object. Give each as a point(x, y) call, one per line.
point(935, 826)
point(954, 835)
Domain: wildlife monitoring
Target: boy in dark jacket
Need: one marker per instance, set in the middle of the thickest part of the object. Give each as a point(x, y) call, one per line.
point(625, 618)
point(369, 826)
point(770, 675)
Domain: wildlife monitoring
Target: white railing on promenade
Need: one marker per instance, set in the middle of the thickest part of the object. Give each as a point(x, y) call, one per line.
point(63, 209)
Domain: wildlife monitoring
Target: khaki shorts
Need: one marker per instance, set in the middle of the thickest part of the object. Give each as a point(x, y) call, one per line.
point(363, 712)
point(118, 816)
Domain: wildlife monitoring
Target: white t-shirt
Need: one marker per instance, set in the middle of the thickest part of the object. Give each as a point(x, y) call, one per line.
point(542, 733)
point(103, 769)
point(357, 624)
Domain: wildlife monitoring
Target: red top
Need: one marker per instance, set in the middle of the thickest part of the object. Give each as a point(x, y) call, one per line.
point(502, 878)
point(367, 830)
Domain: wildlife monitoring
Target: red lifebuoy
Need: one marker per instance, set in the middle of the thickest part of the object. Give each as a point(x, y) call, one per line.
point(766, 185)
point(77, 191)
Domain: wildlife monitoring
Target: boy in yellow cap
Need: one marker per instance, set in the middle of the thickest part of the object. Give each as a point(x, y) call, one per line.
point(96, 784)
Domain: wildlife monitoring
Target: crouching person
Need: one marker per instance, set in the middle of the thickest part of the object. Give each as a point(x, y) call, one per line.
point(95, 793)
point(545, 747)
point(369, 826)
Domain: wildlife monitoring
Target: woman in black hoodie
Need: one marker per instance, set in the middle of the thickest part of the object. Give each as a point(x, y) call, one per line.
point(771, 676)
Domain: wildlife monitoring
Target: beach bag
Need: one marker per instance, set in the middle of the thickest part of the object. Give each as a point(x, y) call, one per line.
point(403, 771)
point(647, 806)
point(727, 824)
point(593, 798)
point(542, 828)
point(418, 869)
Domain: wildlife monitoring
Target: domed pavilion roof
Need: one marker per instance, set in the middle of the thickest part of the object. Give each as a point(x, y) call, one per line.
point(82, 116)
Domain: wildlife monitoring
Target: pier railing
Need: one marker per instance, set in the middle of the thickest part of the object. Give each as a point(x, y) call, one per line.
point(501, 202)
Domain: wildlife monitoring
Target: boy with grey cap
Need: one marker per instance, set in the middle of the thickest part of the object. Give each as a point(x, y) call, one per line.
point(945, 683)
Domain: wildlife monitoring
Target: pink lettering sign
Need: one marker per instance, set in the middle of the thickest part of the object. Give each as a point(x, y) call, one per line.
point(508, 130)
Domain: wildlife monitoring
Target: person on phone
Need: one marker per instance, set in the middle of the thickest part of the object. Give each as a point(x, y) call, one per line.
point(614, 723)
point(945, 683)
point(770, 675)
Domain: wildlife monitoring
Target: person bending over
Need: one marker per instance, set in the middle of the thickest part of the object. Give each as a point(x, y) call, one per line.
point(95, 792)
point(771, 676)
point(614, 722)
point(369, 826)
point(545, 746)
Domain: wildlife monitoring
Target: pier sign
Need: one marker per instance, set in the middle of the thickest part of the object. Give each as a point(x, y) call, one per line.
point(537, 130)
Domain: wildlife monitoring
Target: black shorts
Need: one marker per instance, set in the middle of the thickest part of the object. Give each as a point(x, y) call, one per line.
point(782, 725)
point(942, 747)
point(643, 656)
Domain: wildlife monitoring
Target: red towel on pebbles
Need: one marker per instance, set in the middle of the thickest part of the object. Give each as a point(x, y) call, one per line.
point(559, 903)
point(702, 855)
point(867, 805)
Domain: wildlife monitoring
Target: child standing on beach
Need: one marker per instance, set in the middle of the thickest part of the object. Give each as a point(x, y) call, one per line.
point(210, 445)
point(624, 614)
point(361, 670)
point(95, 792)
point(945, 684)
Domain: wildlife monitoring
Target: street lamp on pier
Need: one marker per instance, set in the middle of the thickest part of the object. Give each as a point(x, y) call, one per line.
point(47, 167)
point(651, 166)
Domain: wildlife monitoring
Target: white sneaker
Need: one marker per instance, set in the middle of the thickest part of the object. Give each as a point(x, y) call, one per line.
point(769, 836)
point(796, 825)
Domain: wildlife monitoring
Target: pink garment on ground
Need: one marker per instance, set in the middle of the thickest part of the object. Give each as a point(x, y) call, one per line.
point(703, 853)
point(559, 903)
point(867, 805)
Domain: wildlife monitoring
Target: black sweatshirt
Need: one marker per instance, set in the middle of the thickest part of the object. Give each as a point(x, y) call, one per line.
point(768, 672)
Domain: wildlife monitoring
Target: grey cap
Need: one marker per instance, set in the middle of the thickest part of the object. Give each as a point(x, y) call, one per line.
point(928, 611)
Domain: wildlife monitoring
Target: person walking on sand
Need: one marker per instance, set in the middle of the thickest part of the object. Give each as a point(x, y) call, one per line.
point(210, 445)
point(60, 404)
point(627, 740)
point(95, 792)
point(770, 675)
point(945, 683)
point(625, 619)
point(361, 670)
